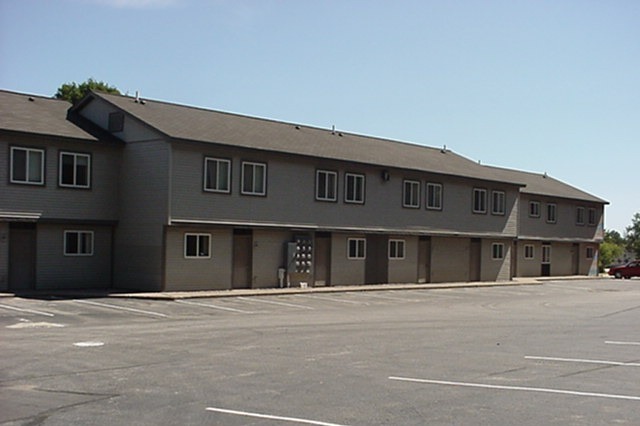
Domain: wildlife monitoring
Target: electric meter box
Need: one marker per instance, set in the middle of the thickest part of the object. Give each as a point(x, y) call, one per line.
point(300, 256)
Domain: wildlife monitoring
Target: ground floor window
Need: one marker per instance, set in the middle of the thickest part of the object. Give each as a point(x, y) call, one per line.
point(497, 251)
point(590, 252)
point(197, 246)
point(529, 252)
point(356, 248)
point(78, 243)
point(546, 254)
point(396, 249)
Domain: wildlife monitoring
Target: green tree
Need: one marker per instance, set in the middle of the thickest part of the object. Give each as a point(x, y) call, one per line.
point(632, 236)
point(74, 92)
point(611, 248)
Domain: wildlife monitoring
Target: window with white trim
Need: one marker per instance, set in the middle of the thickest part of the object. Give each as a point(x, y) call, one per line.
point(27, 166)
point(74, 170)
point(217, 175)
point(534, 209)
point(497, 251)
point(579, 215)
point(434, 196)
point(529, 252)
point(411, 194)
point(254, 178)
point(78, 243)
point(396, 249)
point(498, 203)
point(479, 200)
point(356, 248)
point(551, 213)
point(354, 188)
point(590, 253)
point(592, 216)
point(197, 246)
point(326, 185)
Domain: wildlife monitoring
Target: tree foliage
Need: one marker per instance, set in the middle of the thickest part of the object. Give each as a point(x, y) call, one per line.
point(74, 92)
point(632, 236)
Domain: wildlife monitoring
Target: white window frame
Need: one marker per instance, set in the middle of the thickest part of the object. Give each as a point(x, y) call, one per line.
point(397, 249)
point(217, 162)
point(411, 190)
point(552, 217)
point(535, 206)
point(325, 176)
point(360, 246)
point(199, 254)
point(78, 249)
point(434, 196)
point(358, 180)
point(479, 192)
point(498, 203)
point(580, 215)
point(590, 252)
point(532, 254)
point(497, 251)
point(591, 215)
point(255, 166)
point(75, 156)
point(28, 152)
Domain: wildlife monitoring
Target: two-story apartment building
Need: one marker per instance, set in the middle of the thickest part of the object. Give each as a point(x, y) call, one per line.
point(199, 199)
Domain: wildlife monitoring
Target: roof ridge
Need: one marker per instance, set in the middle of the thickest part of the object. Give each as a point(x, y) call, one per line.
point(33, 95)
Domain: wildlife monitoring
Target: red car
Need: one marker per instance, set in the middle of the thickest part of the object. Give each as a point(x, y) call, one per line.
point(631, 269)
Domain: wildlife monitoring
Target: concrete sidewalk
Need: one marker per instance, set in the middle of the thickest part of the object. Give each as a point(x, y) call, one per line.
point(176, 295)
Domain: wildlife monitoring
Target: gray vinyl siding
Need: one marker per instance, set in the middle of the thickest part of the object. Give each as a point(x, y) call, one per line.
point(561, 259)
point(291, 200)
point(345, 271)
point(450, 259)
point(405, 270)
point(268, 256)
point(57, 271)
point(495, 269)
point(144, 196)
point(99, 202)
point(212, 273)
point(529, 267)
point(98, 112)
point(589, 266)
point(4, 256)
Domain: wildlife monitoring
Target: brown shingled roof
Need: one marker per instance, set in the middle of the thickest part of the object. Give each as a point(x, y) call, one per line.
point(24, 113)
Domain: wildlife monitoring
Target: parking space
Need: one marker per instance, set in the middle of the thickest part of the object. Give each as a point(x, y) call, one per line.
point(560, 353)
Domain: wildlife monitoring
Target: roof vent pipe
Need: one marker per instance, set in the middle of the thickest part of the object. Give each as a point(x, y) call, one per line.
point(137, 99)
point(333, 129)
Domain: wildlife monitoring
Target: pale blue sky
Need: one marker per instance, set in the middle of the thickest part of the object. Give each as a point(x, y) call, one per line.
point(544, 85)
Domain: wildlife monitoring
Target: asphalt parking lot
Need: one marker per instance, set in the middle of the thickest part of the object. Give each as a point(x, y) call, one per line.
point(565, 352)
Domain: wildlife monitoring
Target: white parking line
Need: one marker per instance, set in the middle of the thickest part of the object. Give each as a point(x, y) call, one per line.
point(273, 302)
point(271, 417)
point(31, 311)
point(380, 296)
point(121, 308)
point(212, 306)
point(353, 302)
point(611, 342)
point(586, 361)
point(517, 388)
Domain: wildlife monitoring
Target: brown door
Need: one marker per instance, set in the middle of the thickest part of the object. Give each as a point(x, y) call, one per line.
point(22, 256)
point(322, 261)
point(242, 258)
point(424, 260)
point(377, 260)
point(475, 259)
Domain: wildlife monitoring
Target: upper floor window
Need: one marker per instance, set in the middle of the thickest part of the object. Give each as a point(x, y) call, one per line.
point(434, 196)
point(498, 203)
point(27, 166)
point(197, 246)
point(354, 188)
point(592, 216)
point(529, 251)
point(579, 215)
point(479, 200)
point(534, 209)
point(497, 251)
point(254, 178)
point(411, 194)
point(356, 248)
point(326, 185)
point(396, 249)
point(75, 170)
point(217, 175)
point(551, 213)
point(78, 243)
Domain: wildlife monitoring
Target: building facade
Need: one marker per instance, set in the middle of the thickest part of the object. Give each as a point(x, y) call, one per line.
point(147, 195)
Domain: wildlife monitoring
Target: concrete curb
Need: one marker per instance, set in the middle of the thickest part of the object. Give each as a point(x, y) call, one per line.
point(177, 295)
